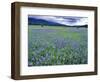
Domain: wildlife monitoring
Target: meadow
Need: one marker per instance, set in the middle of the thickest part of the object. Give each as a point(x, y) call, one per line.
point(57, 45)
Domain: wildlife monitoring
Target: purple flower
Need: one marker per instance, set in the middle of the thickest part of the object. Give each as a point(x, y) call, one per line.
point(33, 59)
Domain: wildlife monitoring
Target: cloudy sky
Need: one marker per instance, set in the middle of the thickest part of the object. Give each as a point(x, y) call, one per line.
point(65, 20)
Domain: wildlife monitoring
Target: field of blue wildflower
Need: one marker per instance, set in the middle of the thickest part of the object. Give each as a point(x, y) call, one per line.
point(57, 45)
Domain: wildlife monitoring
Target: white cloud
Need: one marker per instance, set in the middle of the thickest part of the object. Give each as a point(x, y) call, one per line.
point(64, 20)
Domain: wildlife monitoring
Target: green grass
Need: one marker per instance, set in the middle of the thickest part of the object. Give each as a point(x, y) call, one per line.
point(56, 45)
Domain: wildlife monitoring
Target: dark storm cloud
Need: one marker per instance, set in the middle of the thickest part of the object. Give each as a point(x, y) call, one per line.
point(64, 20)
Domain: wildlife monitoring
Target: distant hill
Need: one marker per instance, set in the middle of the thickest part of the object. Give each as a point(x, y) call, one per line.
point(35, 21)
